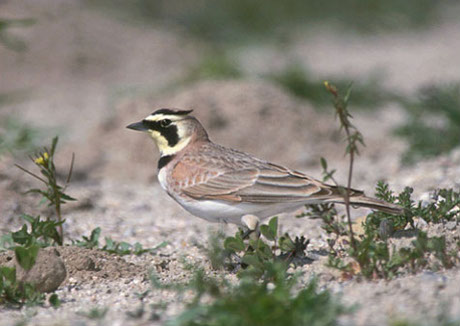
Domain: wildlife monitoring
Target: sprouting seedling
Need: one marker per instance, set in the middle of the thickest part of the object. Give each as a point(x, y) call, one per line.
point(353, 139)
point(53, 192)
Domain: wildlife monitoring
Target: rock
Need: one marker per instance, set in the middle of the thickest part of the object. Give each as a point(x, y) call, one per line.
point(47, 273)
point(420, 223)
point(451, 225)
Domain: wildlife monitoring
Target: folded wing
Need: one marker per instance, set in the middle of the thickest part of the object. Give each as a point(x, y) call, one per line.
point(271, 184)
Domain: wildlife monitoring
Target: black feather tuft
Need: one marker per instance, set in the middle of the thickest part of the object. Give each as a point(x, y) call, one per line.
point(172, 112)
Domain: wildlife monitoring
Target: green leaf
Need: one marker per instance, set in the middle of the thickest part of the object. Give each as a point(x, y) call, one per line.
point(53, 146)
point(6, 241)
point(8, 273)
point(109, 244)
point(285, 243)
point(234, 244)
point(265, 230)
point(253, 260)
point(270, 231)
point(21, 236)
point(26, 256)
point(273, 224)
point(29, 218)
point(67, 197)
point(323, 163)
point(54, 301)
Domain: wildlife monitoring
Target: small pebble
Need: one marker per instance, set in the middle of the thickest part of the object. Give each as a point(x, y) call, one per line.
point(451, 225)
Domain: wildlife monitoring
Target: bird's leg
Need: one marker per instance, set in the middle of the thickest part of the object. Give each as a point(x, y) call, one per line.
point(251, 222)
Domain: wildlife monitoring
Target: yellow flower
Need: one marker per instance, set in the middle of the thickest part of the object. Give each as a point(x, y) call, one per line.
point(42, 159)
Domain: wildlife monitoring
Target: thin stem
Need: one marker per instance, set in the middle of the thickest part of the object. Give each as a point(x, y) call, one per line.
point(347, 194)
point(57, 203)
point(30, 173)
point(58, 214)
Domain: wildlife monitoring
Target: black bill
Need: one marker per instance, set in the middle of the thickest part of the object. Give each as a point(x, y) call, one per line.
point(139, 126)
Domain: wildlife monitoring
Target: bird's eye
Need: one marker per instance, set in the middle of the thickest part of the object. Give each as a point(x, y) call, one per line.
point(165, 122)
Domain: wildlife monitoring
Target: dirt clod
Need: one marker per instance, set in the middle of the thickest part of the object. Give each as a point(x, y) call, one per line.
point(47, 274)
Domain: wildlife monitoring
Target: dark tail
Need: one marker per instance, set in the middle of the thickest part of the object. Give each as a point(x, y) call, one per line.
point(359, 199)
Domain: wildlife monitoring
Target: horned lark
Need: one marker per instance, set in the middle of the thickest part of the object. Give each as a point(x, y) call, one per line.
point(222, 184)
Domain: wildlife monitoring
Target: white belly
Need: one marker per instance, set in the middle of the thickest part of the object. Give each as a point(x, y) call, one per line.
point(224, 211)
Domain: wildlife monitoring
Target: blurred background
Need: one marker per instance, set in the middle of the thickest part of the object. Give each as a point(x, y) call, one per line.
point(252, 71)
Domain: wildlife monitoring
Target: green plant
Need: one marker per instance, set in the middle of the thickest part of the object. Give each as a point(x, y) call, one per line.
point(332, 223)
point(243, 21)
point(91, 242)
point(371, 254)
point(442, 318)
point(26, 246)
point(54, 301)
point(114, 247)
point(43, 233)
point(215, 65)
point(377, 219)
point(53, 192)
point(273, 301)
point(256, 256)
point(219, 257)
point(375, 257)
point(14, 293)
point(353, 138)
point(433, 127)
point(296, 80)
point(16, 136)
point(97, 313)
point(9, 41)
point(444, 206)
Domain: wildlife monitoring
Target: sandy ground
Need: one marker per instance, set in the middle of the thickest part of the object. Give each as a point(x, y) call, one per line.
point(89, 76)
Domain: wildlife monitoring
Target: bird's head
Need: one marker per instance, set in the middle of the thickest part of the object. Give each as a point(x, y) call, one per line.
point(171, 130)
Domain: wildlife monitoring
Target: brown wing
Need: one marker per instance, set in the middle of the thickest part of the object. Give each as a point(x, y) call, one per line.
point(223, 186)
point(264, 184)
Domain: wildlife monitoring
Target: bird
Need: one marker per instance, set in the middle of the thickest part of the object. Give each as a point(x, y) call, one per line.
point(221, 184)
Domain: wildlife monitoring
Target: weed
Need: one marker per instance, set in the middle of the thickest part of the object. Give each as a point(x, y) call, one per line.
point(97, 313)
point(91, 242)
point(114, 247)
point(442, 318)
point(296, 80)
point(216, 65)
point(43, 233)
point(445, 206)
point(379, 219)
point(372, 255)
point(219, 257)
point(16, 136)
point(242, 21)
point(375, 257)
point(54, 301)
point(434, 122)
point(353, 139)
point(332, 222)
point(257, 255)
point(273, 301)
point(53, 192)
point(17, 294)
point(9, 41)
point(26, 245)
